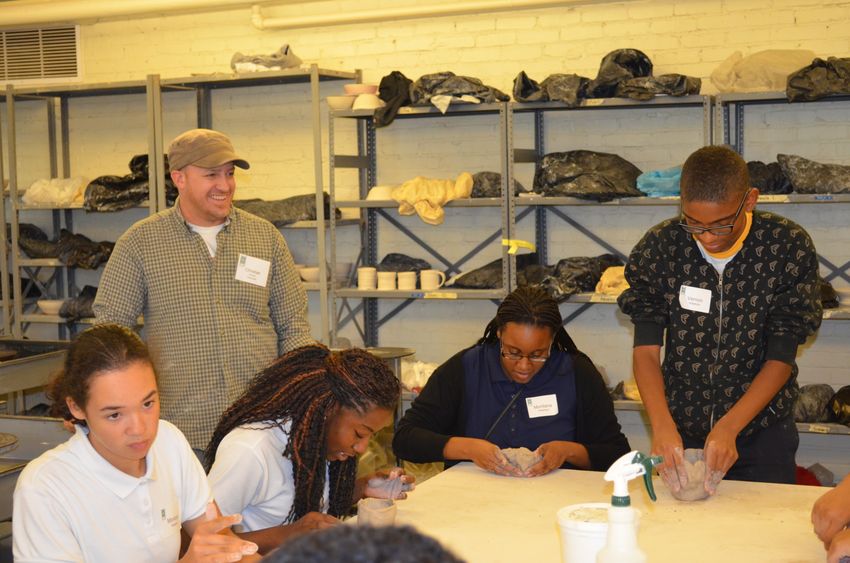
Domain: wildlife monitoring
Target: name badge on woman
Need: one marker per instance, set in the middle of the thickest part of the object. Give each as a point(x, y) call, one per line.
point(544, 405)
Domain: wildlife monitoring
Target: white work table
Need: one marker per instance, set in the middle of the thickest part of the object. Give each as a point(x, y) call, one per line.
point(484, 517)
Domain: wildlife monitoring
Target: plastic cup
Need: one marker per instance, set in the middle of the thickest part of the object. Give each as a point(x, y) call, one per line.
point(376, 511)
point(584, 529)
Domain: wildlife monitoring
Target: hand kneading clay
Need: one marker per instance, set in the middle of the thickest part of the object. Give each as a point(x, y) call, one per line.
point(695, 466)
point(521, 458)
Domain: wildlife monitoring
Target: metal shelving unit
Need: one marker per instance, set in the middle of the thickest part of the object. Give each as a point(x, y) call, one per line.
point(543, 207)
point(61, 281)
point(204, 86)
point(370, 211)
point(730, 118)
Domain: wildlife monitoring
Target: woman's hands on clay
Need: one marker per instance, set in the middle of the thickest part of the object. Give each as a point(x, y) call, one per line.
point(667, 443)
point(489, 457)
point(392, 484)
point(213, 542)
point(839, 547)
point(831, 512)
point(720, 454)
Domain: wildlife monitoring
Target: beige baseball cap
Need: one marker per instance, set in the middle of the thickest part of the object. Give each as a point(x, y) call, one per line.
point(204, 148)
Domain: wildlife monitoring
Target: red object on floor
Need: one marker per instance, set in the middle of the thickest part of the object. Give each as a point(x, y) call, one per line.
point(806, 477)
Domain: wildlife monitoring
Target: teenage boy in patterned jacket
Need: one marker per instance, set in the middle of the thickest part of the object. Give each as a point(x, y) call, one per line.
point(736, 291)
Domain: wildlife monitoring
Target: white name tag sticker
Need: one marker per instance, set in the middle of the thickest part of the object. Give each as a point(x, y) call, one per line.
point(544, 405)
point(695, 298)
point(253, 270)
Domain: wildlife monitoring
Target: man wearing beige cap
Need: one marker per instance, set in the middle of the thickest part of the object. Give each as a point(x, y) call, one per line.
point(216, 285)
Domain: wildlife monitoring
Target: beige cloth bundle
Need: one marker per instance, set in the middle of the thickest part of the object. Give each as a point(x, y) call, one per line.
point(427, 196)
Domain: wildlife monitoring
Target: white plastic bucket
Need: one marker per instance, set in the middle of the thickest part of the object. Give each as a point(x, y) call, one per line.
point(584, 529)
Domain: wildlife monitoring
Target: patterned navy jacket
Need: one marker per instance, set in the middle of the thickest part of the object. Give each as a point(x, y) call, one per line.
point(765, 306)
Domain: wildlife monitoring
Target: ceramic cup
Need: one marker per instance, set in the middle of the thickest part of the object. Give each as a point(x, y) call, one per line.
point(366, 277)
point(407, 280)
point(386, 281)
point(376, 512)
point(430, 280)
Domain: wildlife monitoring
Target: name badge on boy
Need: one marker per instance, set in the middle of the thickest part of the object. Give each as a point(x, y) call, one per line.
point(695, 298)
point(544, 405)
point(253, 270)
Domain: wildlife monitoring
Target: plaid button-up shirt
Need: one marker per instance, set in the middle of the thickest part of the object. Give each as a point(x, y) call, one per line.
point(207, 332)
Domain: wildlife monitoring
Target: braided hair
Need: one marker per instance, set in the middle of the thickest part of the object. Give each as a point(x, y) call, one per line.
point(302, 388)
point(530, 305)
point(97, 350)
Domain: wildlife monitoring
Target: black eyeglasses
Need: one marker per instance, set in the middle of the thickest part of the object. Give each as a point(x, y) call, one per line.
point(720, 231)
point(536, 358)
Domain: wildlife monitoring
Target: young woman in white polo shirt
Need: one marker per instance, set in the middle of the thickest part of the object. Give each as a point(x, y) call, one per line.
point(284, 455)
point(124, 484)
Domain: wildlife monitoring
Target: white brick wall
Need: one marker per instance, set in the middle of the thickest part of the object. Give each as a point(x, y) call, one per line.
point(271, 125)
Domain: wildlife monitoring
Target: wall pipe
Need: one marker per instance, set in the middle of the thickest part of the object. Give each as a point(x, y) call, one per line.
point(20, 13)
point(401, 13)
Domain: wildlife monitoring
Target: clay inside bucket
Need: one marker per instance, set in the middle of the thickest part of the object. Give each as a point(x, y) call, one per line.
point(376, 512)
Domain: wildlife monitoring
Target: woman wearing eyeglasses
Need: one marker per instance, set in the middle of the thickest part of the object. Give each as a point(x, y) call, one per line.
point(524, 384)
point(736, 291)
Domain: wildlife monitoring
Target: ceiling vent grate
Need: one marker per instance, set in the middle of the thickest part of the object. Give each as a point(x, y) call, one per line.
point(39, 55)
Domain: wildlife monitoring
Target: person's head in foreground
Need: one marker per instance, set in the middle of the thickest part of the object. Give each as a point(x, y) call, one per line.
point(527, 326)
point(363, 544)
point(717, 198)
point(108, 385)
point(335, 402)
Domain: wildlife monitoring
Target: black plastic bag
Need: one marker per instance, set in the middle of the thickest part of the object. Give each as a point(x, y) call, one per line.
point(489, 276)
point(820, 79)
point(283, 212)
point(577, 274)
point(489, 184)
point(810, 177)
point(449, 84)
point(646, 87)
point(768, 178)
point(813, 403)
point(567, 88)
point(33, 241)
point(618, 66)
point(80, 251)
point(397, 262)
point(79, 307)
point(114, 193)
point(586, 175)
point(839, 406)
point(395, 91)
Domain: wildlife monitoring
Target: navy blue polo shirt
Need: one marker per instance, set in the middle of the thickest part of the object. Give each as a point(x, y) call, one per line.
point(488, 390)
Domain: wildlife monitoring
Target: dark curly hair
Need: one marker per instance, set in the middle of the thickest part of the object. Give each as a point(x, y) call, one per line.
point(362, 544)
point(99, 349)
point(303, 387)
point(530, 305)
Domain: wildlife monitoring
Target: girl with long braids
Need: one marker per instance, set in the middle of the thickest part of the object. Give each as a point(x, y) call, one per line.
point(524, 384)
point(284, 455)
point(125, 483)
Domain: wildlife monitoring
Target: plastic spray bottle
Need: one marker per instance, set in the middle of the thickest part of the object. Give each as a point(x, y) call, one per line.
point(621, 545)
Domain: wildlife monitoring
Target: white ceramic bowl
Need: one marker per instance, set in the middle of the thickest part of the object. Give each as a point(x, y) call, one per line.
point(309, 273)
point(367, 101)
point(340, 102)
point(354, 89)
point(50, 306)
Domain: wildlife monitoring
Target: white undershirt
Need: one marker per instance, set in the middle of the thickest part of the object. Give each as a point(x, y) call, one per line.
point(718, 263)
point(209, 235)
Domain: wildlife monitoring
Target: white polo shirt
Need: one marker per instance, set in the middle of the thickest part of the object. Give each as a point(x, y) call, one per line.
point(250, 476)
point(70, 504)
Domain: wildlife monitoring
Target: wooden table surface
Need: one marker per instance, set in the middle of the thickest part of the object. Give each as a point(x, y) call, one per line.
point(484, 517)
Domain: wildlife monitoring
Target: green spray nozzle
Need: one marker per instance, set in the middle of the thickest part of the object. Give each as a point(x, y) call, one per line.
point(633, 464)
point(648, 462)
